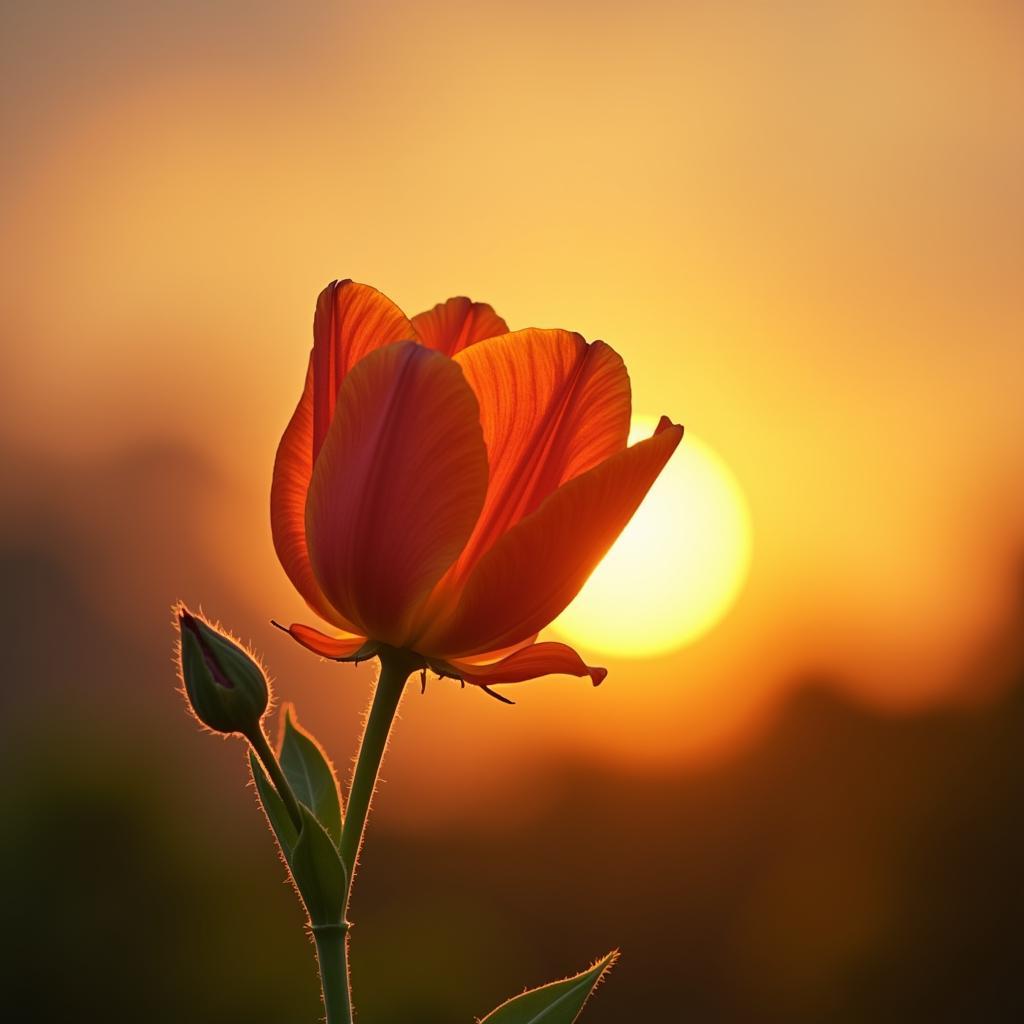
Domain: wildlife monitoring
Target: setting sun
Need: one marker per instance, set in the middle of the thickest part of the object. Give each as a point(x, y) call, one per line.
point(677, 567)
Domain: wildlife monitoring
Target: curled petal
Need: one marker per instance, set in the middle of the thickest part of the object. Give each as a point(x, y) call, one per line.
point(539, 566)
point(489, 657)
point(552, 407)
point(450, 326)
point(337, 648)
point(543, 659)
point(397, 487)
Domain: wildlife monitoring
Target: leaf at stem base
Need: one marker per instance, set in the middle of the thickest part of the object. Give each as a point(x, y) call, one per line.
point(319, 874)
point(310, 853)
point(557, 1003)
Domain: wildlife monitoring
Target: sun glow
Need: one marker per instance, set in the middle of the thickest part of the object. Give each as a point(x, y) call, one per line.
point(677, 567)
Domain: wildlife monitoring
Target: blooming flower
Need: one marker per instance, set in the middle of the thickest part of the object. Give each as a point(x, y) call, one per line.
point(446, 486)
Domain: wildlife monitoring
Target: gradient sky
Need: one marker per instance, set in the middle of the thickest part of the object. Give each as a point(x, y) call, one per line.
point(800, 223)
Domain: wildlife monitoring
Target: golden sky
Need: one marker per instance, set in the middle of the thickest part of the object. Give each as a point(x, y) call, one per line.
point(800, 223)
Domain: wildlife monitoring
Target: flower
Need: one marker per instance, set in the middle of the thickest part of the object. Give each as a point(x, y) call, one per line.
point(446, 486)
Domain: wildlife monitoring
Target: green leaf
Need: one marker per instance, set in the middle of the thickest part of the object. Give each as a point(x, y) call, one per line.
point(312, 857)
point(310, 775)
point(274, 808)
point(557, 1003)
point(318, 872)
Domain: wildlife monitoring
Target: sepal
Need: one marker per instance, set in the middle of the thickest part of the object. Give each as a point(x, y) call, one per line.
point(329, 647)
point(369, 650)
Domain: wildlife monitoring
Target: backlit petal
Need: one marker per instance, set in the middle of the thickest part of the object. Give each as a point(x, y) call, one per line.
point(487, 657)
point(528, 663)
point(351, 320)
point(292, 470)
point(450, 326)
point(538, 567)
point(335, 647)
point(397, 487)
point(552, 407)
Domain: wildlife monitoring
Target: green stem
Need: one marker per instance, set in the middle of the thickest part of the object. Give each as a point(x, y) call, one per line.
point(261, 745)
point(332, 955)
point(395, 668)
point(332, 942)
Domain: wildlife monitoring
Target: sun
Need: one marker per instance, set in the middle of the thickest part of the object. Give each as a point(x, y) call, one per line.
point(677, 567)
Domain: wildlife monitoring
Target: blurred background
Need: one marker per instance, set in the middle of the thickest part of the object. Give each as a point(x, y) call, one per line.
point(801, 223)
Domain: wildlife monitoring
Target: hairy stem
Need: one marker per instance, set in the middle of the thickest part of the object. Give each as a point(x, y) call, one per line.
point(261, 745)
point(395, 668)
point(332, 943)
point(332, 956)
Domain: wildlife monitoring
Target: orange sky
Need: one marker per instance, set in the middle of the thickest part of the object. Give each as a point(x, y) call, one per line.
point(800, 224)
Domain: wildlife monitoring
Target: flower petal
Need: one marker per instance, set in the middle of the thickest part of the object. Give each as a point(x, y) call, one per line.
point(397, 487)
point(538, 567)
point(292, 470)
point(450, 326)
point(350, 320)
point(543, 659)
point(487, 657)
point(552, 407)
point(334, 647)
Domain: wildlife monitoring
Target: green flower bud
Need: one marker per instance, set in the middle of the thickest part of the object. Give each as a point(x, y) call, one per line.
point(226, 687)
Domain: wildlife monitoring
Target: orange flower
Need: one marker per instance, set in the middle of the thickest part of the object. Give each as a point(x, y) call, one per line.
point(446, 486)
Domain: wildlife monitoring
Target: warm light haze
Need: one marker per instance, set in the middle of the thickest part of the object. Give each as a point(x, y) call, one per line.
point(814, 263)
point(796, 795)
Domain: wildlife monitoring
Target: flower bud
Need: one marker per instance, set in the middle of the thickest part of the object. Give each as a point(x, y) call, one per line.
point(227, 689)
